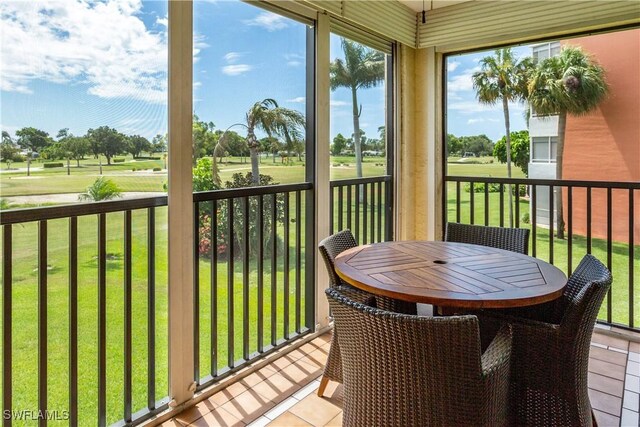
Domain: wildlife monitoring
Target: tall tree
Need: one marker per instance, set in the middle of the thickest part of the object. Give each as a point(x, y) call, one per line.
point(77, 147)
point(136, 144)
point(339, 144)
point(519, 150)
point(32, 139)
point(361, 68)
point(574, 84)
point(275, 121)
point(203, 138)
point(107, 141)
point(159, 143)
point(503, 78)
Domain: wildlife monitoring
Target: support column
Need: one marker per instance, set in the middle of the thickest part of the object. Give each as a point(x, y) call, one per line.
point(323, 174)
point(421, 147)
point(180, 202)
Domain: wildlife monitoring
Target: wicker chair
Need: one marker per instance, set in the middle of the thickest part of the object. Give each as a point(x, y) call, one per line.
point(330, 248)
point(551, 351)
point(511, 239)
point(404, 370)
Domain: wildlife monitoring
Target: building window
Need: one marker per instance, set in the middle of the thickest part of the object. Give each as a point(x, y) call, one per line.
point(544, 149)
point(544, 51)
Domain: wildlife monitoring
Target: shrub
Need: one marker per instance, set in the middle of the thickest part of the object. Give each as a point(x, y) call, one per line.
point(133, 169)
point(157, 169)
point(53, 165)
point(118, 160)
point(525, 218)
point(478, 187)
point(101, 189)
point(4, 204)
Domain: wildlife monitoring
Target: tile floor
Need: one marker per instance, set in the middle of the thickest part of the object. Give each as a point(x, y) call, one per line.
point(283, 393)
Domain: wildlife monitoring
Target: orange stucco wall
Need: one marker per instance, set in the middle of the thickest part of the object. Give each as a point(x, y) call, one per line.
point(605, 145)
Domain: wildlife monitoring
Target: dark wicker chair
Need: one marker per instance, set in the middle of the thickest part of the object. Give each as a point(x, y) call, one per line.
point(551, 351)
point(330, 248)
point(511, 239)
point(404, 370)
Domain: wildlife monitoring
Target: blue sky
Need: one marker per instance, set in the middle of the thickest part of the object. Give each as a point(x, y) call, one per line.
point(80, 65)
point(465, 116)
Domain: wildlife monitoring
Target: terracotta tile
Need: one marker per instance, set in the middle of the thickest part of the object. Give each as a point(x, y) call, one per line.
point(225, 395)
point(606, 420)
point(173, 423)
point(257, 377)
point(296, 354)
point(288, 420)
point(306, 390)
point(301, 372)
point(607, 369)
point(318, 358)
point(325, 338)
point(276, 388)
point(335, 422)
point(634, 346)
point(280, 408)
point(610, 341)
point(310, 347)
point(267, 371)
point(281, 363)
point(248, 406)
point(195, 412)
point(605, 402)
point(608, 355)
point(606, 384)
point(315, 410)
point(220, 418)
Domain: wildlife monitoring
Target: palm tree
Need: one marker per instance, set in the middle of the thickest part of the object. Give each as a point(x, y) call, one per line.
point(502, 77)
point(570, 83)
point(362, 68)
point(267, 116)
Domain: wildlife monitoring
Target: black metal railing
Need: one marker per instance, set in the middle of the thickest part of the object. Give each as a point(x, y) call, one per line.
point(253, 274)
point(601, 219)
point(363, 205)
point(79, 269)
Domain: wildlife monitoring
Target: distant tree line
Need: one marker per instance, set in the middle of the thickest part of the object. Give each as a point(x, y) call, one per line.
point(346, 146)
point(105, 141)
point(479, 145)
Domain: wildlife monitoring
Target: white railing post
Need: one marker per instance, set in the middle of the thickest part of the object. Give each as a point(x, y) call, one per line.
point(181, 237)
point(323, 174)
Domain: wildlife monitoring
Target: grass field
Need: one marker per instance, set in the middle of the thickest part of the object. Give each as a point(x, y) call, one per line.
point(25, 277)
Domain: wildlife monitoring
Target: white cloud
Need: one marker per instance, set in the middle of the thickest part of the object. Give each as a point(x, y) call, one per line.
point(294, 59)
point(473, 106)
point(462, 81)
point(269, 21)
point(297, 100)
point(233, 68)
point(335, 103)
point(104, 45)
point(236, 69)
point(233, 57)
point(452, 66)
point(163, 21)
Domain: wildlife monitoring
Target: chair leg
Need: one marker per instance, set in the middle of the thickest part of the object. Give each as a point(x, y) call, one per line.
point(323, 385)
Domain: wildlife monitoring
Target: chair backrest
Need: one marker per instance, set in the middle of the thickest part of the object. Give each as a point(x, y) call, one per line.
point(407, 370)
point(580, 302)
point(511, 239)
point(333, 246)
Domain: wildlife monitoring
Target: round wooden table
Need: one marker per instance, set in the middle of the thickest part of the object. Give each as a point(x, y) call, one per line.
point(450, 274)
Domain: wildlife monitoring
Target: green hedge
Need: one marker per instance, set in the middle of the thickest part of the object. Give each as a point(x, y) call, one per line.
point(52, 165)
point(157, 169)
point(118, 160)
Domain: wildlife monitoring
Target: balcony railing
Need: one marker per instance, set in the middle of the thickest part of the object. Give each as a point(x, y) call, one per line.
point(364, 206)
point(253, 288)
point(103, 328)
point(601, 219)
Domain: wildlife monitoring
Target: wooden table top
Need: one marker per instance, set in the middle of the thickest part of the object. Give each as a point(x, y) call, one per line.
point(450, 274)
